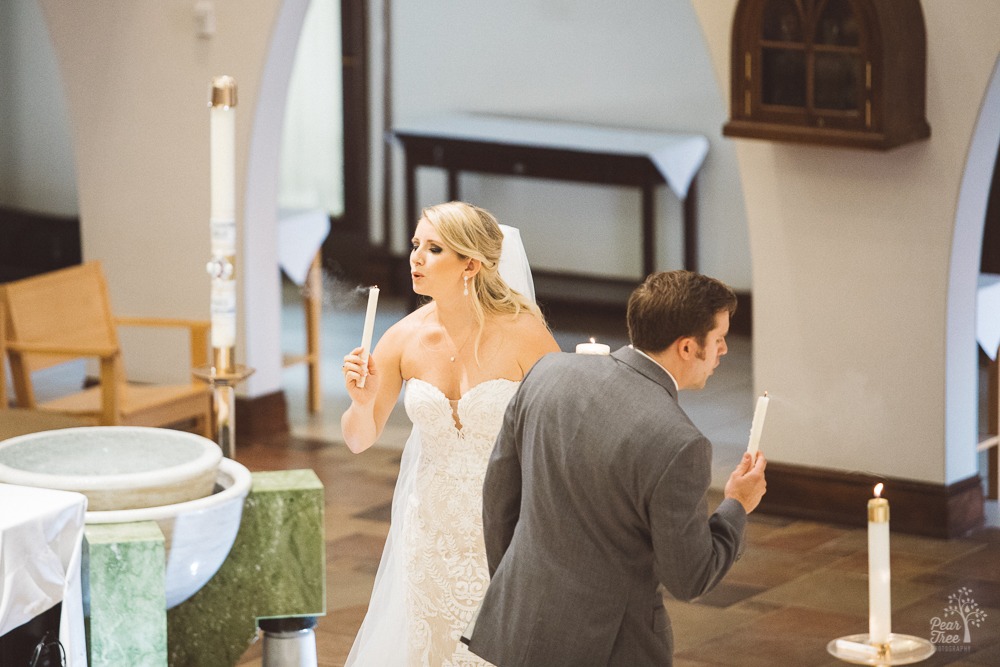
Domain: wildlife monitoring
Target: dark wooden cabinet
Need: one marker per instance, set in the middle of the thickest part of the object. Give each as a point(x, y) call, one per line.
point(835, 72)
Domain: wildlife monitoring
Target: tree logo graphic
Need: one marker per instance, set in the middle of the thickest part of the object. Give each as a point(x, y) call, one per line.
point(952, 629)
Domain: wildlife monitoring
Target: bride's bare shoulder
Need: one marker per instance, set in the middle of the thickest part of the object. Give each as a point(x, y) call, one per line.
point(401, 334)
point(531, 333)
point(411, 322)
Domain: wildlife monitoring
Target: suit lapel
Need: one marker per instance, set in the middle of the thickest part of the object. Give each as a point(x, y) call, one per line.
point(647, 367)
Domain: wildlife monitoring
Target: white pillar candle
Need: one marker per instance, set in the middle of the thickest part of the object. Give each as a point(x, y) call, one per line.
point(366, 334)
point(223, 149)
point(879, 600)
point(592, 348)
point(757, 426)
point(223, 180)
point(222, 221)
point(223, 311)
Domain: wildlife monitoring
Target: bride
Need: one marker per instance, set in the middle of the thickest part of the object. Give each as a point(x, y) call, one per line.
point(461, 355)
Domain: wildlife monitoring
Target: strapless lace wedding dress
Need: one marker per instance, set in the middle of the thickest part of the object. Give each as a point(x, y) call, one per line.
point(433, 573)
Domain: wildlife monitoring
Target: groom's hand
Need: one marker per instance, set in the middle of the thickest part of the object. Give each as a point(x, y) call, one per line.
point(747, 483)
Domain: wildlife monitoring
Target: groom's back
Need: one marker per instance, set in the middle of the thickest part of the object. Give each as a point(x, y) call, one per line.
point(596, 436)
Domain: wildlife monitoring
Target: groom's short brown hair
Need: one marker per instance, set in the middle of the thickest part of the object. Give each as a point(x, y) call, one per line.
point(674, 304)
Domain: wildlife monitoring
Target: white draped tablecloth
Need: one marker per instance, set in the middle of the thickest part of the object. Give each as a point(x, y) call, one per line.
point(988, 314)
point(677, 156)
point(41, 538)
point(301, 233)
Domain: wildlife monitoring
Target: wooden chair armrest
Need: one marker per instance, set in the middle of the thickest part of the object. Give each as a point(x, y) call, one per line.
point(110, 361)
point(99, 351)
point(198, 331)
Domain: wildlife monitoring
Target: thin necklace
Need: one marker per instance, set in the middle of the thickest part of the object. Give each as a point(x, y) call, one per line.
point(459, 349)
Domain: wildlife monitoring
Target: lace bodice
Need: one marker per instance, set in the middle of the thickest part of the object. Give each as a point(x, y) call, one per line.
point(458, 451)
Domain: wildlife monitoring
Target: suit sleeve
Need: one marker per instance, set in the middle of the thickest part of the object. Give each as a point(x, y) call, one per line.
point(502, 489)
point(692, 551)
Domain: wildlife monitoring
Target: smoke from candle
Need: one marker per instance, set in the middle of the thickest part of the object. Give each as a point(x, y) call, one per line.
point(338, 293)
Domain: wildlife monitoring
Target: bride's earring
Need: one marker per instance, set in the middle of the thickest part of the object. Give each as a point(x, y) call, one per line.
point(466, 290)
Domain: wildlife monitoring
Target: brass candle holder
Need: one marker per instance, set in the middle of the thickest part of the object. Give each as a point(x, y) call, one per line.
point(898, 650)
point(224, 376)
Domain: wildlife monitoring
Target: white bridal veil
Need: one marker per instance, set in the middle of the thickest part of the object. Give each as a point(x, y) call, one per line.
point(514, 267)
point(382, 638)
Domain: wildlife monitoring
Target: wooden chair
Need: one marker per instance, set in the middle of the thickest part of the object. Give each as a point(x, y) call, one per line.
point(4, 405)
point(63, 315)
point(312, 303)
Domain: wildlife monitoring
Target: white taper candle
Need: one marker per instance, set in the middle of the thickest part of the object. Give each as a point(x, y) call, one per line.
point(879, 597)
point(757, 426)
point(366, 334)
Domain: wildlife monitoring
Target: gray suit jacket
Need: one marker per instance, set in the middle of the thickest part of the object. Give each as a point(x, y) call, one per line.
point(595, 494)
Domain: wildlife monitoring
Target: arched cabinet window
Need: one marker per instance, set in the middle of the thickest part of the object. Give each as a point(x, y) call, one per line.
point(840, 72)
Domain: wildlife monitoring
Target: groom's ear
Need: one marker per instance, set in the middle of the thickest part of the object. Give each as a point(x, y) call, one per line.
point(686, 347)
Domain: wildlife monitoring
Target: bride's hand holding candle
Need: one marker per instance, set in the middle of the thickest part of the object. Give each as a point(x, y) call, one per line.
point(359, 366)
point(366, 335)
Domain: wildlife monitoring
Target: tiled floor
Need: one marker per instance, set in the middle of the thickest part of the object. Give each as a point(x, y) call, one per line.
point(798, 586)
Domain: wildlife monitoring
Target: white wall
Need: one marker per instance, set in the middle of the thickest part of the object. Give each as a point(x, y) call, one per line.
point(642, 66)
point(312, 142)
point(851, 259)
point(36, 156)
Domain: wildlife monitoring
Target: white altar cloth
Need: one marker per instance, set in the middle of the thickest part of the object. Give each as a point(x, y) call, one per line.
point(988, 313)
point(677, 156)
point(301, 233)
point(41, 538)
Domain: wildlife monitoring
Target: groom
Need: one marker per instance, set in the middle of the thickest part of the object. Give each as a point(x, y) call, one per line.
point(595, 492)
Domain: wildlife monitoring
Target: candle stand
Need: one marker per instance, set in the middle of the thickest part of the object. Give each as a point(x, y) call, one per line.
point(224, 373)
point(880, 646)
point(224, 376)
point(899, 650)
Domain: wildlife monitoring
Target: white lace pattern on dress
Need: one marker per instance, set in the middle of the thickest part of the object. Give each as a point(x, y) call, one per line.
point(445, 557)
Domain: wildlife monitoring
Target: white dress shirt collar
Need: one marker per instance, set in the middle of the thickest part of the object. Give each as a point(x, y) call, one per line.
point(672, 378)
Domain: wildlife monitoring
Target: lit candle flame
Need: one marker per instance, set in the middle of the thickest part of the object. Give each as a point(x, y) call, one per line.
point(878, 490)
point(592, 340)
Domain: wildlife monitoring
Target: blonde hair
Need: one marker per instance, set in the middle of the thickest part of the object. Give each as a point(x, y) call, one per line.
point(474, 233)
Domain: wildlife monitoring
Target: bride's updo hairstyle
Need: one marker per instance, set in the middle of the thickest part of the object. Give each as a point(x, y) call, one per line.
point(474, 233)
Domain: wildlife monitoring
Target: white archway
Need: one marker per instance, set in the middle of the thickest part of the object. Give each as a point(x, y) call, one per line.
point(961, 379)
point(261, 301)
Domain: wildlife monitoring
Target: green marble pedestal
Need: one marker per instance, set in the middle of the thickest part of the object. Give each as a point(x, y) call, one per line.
point(124, 577)
point(276, 568)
